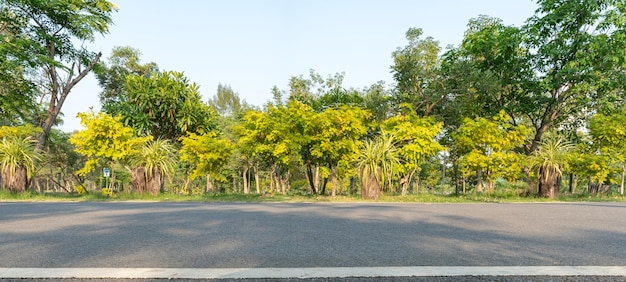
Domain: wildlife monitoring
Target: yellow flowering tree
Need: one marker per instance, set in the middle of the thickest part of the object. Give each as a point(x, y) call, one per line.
point(105, 141)
point(488, 147)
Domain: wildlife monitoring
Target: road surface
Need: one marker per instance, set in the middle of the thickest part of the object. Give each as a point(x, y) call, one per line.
point(310, 237)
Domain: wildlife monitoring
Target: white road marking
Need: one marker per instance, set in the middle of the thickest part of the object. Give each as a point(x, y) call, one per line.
point(315, 272)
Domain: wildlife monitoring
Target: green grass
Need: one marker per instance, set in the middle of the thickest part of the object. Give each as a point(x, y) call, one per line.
point(495, 197)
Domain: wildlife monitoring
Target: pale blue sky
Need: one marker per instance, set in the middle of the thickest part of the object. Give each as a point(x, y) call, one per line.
point(253, 45)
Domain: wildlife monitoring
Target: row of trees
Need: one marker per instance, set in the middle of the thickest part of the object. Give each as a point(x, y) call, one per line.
point(526, 103)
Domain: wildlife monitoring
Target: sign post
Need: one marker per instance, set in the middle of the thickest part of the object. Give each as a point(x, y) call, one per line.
point(107, 172)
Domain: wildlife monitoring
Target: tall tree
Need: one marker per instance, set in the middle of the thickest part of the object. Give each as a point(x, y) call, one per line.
point(165, 105)
point(251, 142)
point(336, 141)
point(487, 147)
point(230, 109)
point(52, 29)
point(226, 101)
point(208, 153)
point(320, 93)
point(555, 67)
point(578, 45)
point(416, 72)
point(111, 75)
point(486, 74)
point(415, 141)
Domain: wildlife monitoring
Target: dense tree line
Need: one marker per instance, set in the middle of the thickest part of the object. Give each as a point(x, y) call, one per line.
point(526, 105)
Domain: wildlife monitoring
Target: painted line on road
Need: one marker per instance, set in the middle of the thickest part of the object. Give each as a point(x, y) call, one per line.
point(314, 272)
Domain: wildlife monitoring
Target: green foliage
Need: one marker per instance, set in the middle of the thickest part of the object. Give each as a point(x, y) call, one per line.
point(415, 137)
point(497, 94)
point(17, 150)
point(19, 131)
point(488, 145)
point(207, 153)
point(377, 100)
point(111, 75)
point(155, 156)
point(416, 72)
point(226, 101)
point(17, 158)
point(339, 135)
point(251, 135)
point(17, 93)
point(552, 153)
point(551, 158)
point(289, 131)
point(319, 93)
point(47, 32)
point(377, 162)
point(104, 139)
point(164, 105)
point(609, 134)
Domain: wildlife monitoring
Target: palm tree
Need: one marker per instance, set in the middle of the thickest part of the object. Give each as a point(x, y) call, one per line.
point(151, 163)
point(376, 164)
point(17, 159)
point(550, 157)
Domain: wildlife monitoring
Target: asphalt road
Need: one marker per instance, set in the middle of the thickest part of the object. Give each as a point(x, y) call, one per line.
point(272, 235)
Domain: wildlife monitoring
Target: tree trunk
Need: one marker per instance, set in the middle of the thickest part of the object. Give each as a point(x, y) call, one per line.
point(333, 180)
point(549, 182)
point(456, 179)
point(138, 179)
point(257, 180)
point(443, 178)
point(571, 183)
point(15, 181)
point(60, 90)
point(272, 177)
point(479, 179)
point(352, 186)
point(317, 179)
point(406, 182)
point(418, 182)
point(246, 186)
point(112, 182)
point(370, 187)
point(285, 184)
point(340, 181)
point(209, 184)
point(621, 187)
point(153, 182)
point(310, 177)
point(323, 186)
point(464, 184)
point(488, 182)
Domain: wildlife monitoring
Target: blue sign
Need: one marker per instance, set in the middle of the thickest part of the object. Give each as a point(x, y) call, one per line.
point(106, 171)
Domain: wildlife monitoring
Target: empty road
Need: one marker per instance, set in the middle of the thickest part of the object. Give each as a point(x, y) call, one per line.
point(125, 235)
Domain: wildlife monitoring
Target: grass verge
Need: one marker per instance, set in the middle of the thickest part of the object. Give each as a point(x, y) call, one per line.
point(495, 197)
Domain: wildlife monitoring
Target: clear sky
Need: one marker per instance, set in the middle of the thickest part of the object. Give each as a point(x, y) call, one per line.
point(253, 45)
